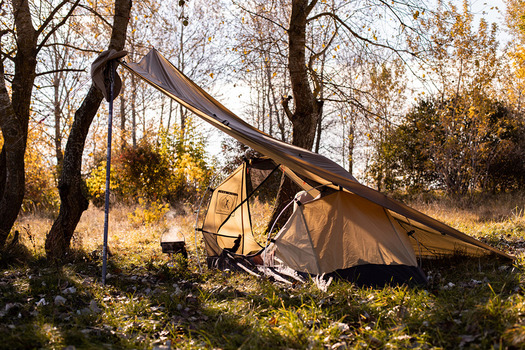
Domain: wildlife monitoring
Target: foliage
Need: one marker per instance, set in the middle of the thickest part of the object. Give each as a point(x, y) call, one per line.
point(40, 190)
point(171, 169)
point(461, 138)
point(457, 147)
point(148, 213)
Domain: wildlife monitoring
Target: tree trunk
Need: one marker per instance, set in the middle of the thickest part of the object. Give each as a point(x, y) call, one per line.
point(14, 118)
point(307, 108)
point(133, 112)
point(11, 163)
point(122, 118)
point(70, 186)
point(58, 114)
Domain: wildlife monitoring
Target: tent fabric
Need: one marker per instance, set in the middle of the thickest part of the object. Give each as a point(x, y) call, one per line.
point(161, 74)
point(381, 275)
point(97, 72)
point(340, 231)
point(227, 218)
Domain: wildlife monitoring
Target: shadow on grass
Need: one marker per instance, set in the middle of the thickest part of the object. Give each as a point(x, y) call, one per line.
point(149, 300)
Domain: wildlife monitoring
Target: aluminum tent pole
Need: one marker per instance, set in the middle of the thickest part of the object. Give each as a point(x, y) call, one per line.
point(108, 171)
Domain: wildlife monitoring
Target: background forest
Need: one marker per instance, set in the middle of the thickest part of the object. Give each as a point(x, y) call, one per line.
point(412, 96)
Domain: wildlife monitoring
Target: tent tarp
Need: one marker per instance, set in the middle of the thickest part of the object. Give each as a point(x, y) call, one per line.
point(161, 74)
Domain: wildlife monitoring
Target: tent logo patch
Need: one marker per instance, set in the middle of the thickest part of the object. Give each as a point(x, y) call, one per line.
point(225, 202)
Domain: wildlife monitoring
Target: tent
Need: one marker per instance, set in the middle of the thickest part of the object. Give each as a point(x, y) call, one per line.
point(361, 227)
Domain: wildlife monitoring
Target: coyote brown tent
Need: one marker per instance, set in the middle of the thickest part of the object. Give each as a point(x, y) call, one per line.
point(361, 226)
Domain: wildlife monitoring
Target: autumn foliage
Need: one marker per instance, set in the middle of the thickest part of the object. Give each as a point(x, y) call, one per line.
point(170, 169)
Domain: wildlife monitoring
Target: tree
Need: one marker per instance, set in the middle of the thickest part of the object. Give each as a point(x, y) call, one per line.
point(416, 148)
point(462, 67)
point(513, 79)
point(314, 34)
point(72, 196)
point(25, 44)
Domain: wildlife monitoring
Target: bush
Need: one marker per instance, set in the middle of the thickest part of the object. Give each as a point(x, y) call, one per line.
point(455, 148)
point(40, 192)
point(172, 169)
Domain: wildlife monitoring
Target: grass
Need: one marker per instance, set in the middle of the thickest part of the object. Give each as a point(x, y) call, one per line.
point(152, 301)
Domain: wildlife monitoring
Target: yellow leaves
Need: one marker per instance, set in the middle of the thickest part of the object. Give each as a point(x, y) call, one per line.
point(209, 39)
point(415, 14)
point(69, 64)
point(274, 74)
point(211, 75)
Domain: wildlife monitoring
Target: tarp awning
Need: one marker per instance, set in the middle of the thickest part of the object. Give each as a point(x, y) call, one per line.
point(160, 73)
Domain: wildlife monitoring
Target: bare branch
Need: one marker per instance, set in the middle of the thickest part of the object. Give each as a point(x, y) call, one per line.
point(322, 52)
point(51, 16)
point(355, 34)
point(60, 24)
point(98, 15)
point(260, 16)
point(395, 14)
point(310, 7)
point(76, 48)
point(60, 70)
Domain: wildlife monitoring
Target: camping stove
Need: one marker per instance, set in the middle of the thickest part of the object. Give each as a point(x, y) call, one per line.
point(173, 242)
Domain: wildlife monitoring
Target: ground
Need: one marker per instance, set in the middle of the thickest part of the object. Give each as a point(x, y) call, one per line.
point(153, 301)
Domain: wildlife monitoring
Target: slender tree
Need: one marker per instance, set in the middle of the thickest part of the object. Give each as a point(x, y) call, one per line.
point(73, 200)
point(15, 110)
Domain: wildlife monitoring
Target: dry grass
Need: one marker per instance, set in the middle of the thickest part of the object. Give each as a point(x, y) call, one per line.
point(498, 220)
point(124, 236)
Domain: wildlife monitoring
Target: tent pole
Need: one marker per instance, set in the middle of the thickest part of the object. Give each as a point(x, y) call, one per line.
point(108, 172)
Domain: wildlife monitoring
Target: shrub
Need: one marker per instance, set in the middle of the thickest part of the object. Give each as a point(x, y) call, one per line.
point(173, 168)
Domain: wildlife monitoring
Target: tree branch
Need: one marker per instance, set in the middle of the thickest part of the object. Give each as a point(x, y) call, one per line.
point(260, 16)
point(89, 9)
point(355, 34)
point(395, 14)
point(51, 17)
point(60, 24)
point(60, 70)
point(76, 48)
point(310, 7)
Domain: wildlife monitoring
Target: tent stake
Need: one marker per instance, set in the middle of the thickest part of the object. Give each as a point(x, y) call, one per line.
point(108, 173)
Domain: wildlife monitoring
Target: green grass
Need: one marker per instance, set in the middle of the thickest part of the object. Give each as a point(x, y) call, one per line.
point(151, 301)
